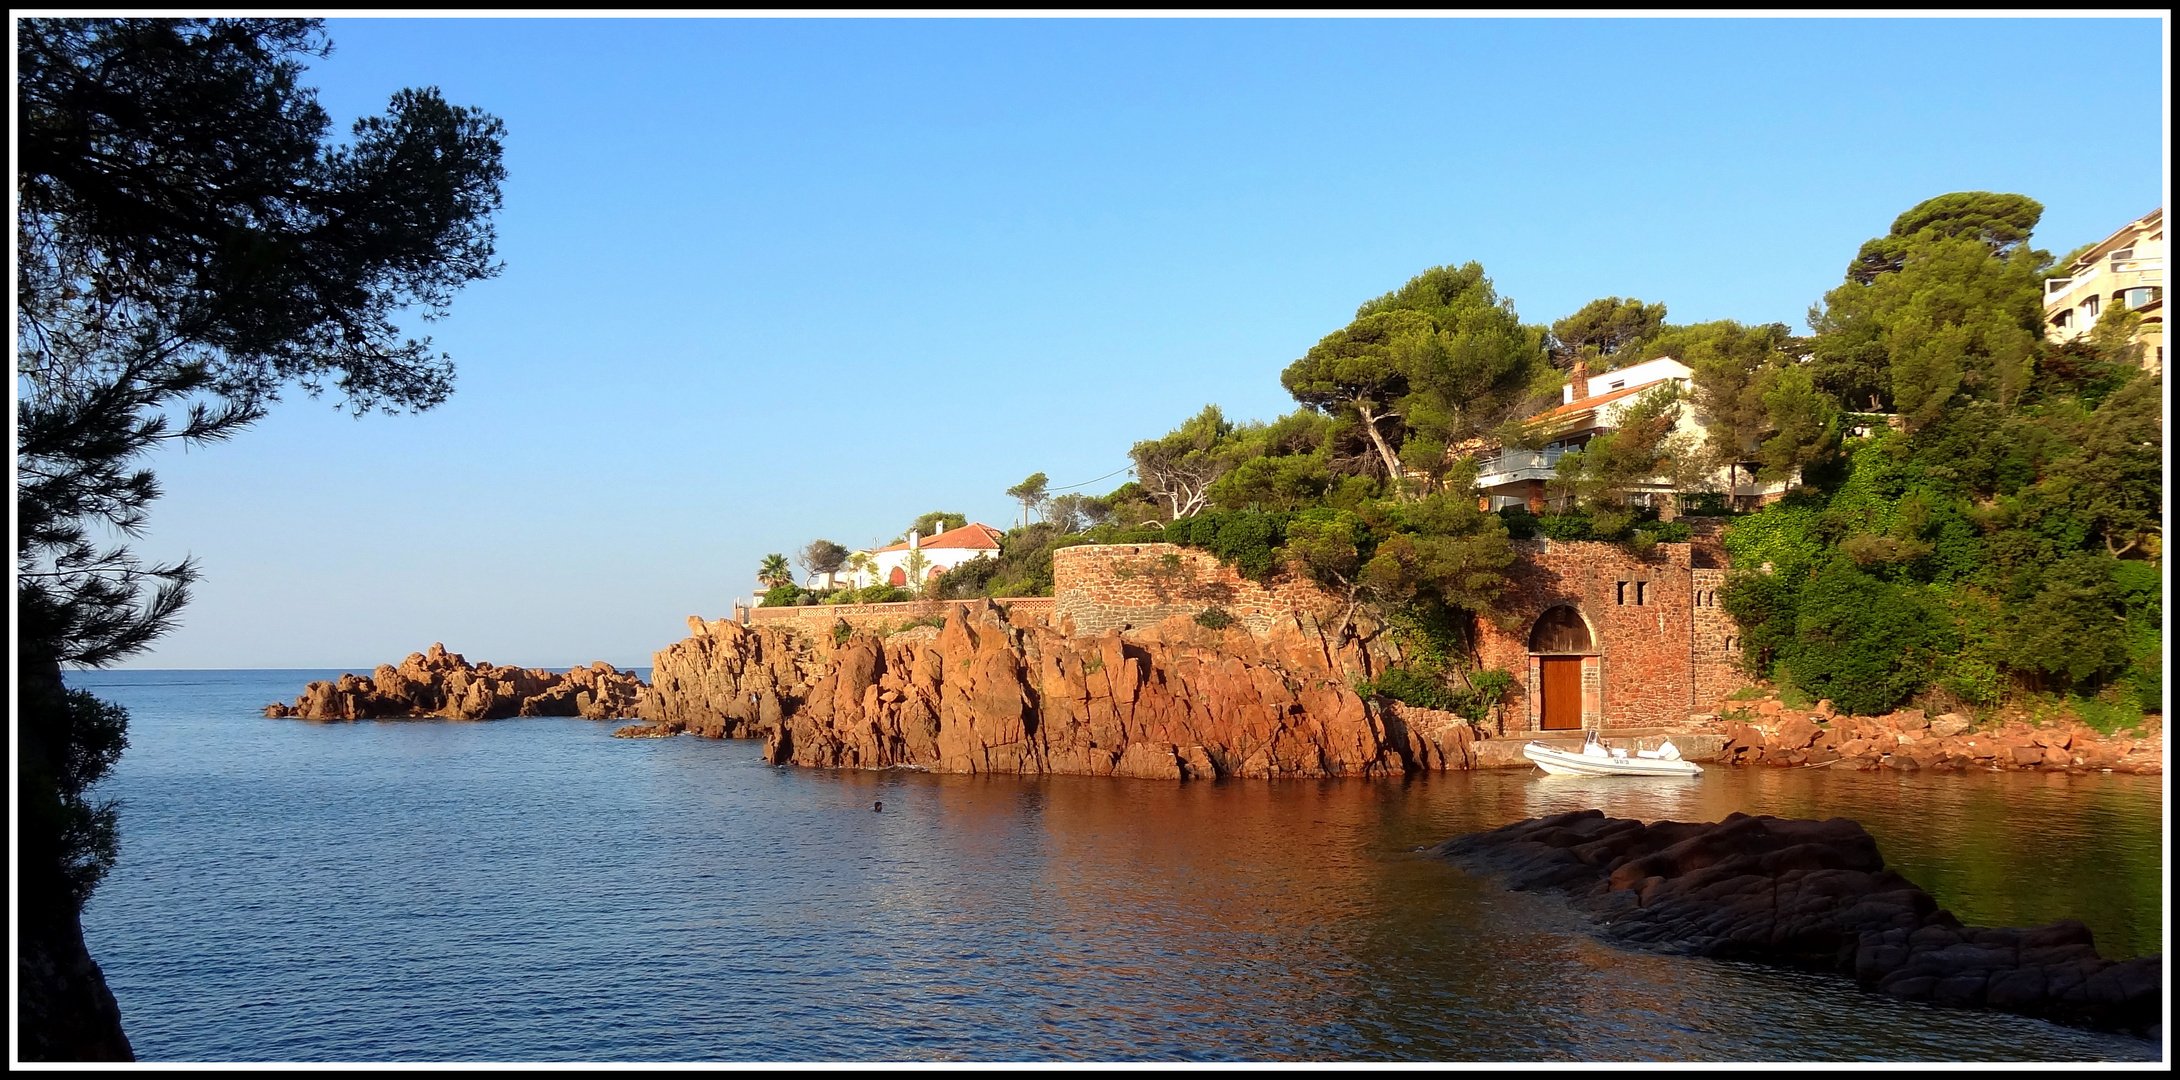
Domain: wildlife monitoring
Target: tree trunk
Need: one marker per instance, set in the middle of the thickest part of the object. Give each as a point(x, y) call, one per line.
point(63, 1010)
point(1385, 450)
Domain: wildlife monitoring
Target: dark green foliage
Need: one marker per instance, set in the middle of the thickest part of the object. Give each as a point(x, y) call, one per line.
point(1606, 333)
point(934, 523)
point(1704, 504)
point(193, 241)
point(787, 595)
point(822, 557)
point(1865, 643)
point(1214, 618)
point(1520, 523)
point(2000, 222)
point(1472, 702)
point(880, 593)
point(1023, 566)
point(69, 826)
point(1440, 359)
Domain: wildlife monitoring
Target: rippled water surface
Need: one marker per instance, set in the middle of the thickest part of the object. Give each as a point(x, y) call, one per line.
point(537, 890)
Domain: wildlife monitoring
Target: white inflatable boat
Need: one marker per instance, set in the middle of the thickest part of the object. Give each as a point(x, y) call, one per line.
point(1595, 759)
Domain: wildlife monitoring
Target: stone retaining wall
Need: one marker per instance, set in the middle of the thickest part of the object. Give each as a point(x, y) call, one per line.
point(819, 618)
point(1100, 587)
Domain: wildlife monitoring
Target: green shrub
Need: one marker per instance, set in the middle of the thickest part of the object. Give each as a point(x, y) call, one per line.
point(1567, 527)
point(1704, 504)
point(1214, 618)
point(1865, 643)
point(1520, 523)
point(1427, 692)
point(2108, 713)
point(783, 596)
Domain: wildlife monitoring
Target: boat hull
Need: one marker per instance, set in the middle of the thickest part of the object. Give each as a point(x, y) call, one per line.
point(1562, 763)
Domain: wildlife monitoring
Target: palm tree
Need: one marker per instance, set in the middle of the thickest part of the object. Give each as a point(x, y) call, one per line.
point(774, 571)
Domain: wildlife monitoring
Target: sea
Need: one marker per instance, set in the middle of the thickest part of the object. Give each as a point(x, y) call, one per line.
point(534, 890)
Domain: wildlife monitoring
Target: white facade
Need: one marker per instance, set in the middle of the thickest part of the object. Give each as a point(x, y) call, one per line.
point(939, 554)
point(1592, 405)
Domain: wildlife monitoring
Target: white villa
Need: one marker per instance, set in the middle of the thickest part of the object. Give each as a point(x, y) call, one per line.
point(938, 553)
point(1591, 406)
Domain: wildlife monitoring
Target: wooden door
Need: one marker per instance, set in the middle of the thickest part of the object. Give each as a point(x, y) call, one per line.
point(1561, 677)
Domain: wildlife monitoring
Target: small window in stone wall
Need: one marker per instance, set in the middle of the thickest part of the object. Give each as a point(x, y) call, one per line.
point(1622, 598)
point(1642, 592)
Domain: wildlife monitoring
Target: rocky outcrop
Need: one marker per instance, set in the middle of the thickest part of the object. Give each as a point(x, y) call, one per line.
point(443, 684)
point(1175, 701)
point(1910, 740)
point(1813, 895)
point(729, 681)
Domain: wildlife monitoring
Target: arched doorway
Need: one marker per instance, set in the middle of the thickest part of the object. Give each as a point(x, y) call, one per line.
point(897, 578)
point(1560, 640)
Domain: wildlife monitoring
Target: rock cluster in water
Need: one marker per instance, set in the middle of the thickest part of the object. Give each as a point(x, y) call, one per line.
point(440, 683)
point(1176, 701)
point(1815, 895)
point(1909, 740)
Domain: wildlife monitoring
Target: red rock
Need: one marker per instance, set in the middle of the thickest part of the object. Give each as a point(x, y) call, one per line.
point(2027, 756)
point(443, 684)
point(985, 695)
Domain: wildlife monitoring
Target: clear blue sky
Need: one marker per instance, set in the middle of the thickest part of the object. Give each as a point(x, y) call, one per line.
point(774, 280)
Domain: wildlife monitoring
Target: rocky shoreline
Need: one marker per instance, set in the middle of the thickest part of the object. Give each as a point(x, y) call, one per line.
point(437, 683)
point(1813, 895)
point(984, 695)
point(1180, 701)
point(1911, 741)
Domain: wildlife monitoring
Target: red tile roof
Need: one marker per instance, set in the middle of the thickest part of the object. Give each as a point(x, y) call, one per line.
point(1573, 407)
point(973, 536)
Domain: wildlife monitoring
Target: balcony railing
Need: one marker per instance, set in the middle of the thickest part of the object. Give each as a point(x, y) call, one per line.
point(1506, 464)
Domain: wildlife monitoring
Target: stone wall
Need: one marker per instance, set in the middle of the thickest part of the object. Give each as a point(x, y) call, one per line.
point(1714, 650)
point(819, 618)
point(1654, 656)
point(1100, 587)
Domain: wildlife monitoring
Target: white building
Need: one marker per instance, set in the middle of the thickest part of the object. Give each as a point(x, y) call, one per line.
point(939, 553)
point(1591, 406)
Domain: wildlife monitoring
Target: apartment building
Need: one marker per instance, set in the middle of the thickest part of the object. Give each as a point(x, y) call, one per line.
point(2126, 270)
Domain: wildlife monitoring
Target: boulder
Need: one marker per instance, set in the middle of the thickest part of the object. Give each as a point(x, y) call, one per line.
point(1812, 895)
point(1949, 725)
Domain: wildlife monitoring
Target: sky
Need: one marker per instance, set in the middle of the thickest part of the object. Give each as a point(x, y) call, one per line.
point(770, 280)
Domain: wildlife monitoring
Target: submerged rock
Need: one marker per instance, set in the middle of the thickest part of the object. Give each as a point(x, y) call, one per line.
point(1813, 895)
point(443, 684)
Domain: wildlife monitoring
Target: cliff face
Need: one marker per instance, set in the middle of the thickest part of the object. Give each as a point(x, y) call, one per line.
point(729, 681)
point(443, 684)
point(983, 695)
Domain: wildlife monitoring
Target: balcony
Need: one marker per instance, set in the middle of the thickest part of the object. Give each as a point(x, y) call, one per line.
point(1511, 466)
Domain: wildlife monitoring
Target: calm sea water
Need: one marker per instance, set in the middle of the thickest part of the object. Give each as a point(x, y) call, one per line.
point(537, 890)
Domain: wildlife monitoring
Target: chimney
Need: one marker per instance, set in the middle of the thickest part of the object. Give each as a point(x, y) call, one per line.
point(914, 540)
point(1578, 382)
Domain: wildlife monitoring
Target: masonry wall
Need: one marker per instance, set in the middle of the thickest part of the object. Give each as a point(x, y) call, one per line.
point(819, 618)
point(1102, 587)
point(1656, 656)
point(1714, 652)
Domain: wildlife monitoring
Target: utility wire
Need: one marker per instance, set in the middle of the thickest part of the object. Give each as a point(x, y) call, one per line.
point(1087, 483)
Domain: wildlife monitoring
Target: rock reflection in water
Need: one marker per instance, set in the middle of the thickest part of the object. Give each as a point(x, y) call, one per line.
point(536, 890)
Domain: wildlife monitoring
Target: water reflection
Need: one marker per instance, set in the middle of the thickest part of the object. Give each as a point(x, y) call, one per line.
point(537, 890)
